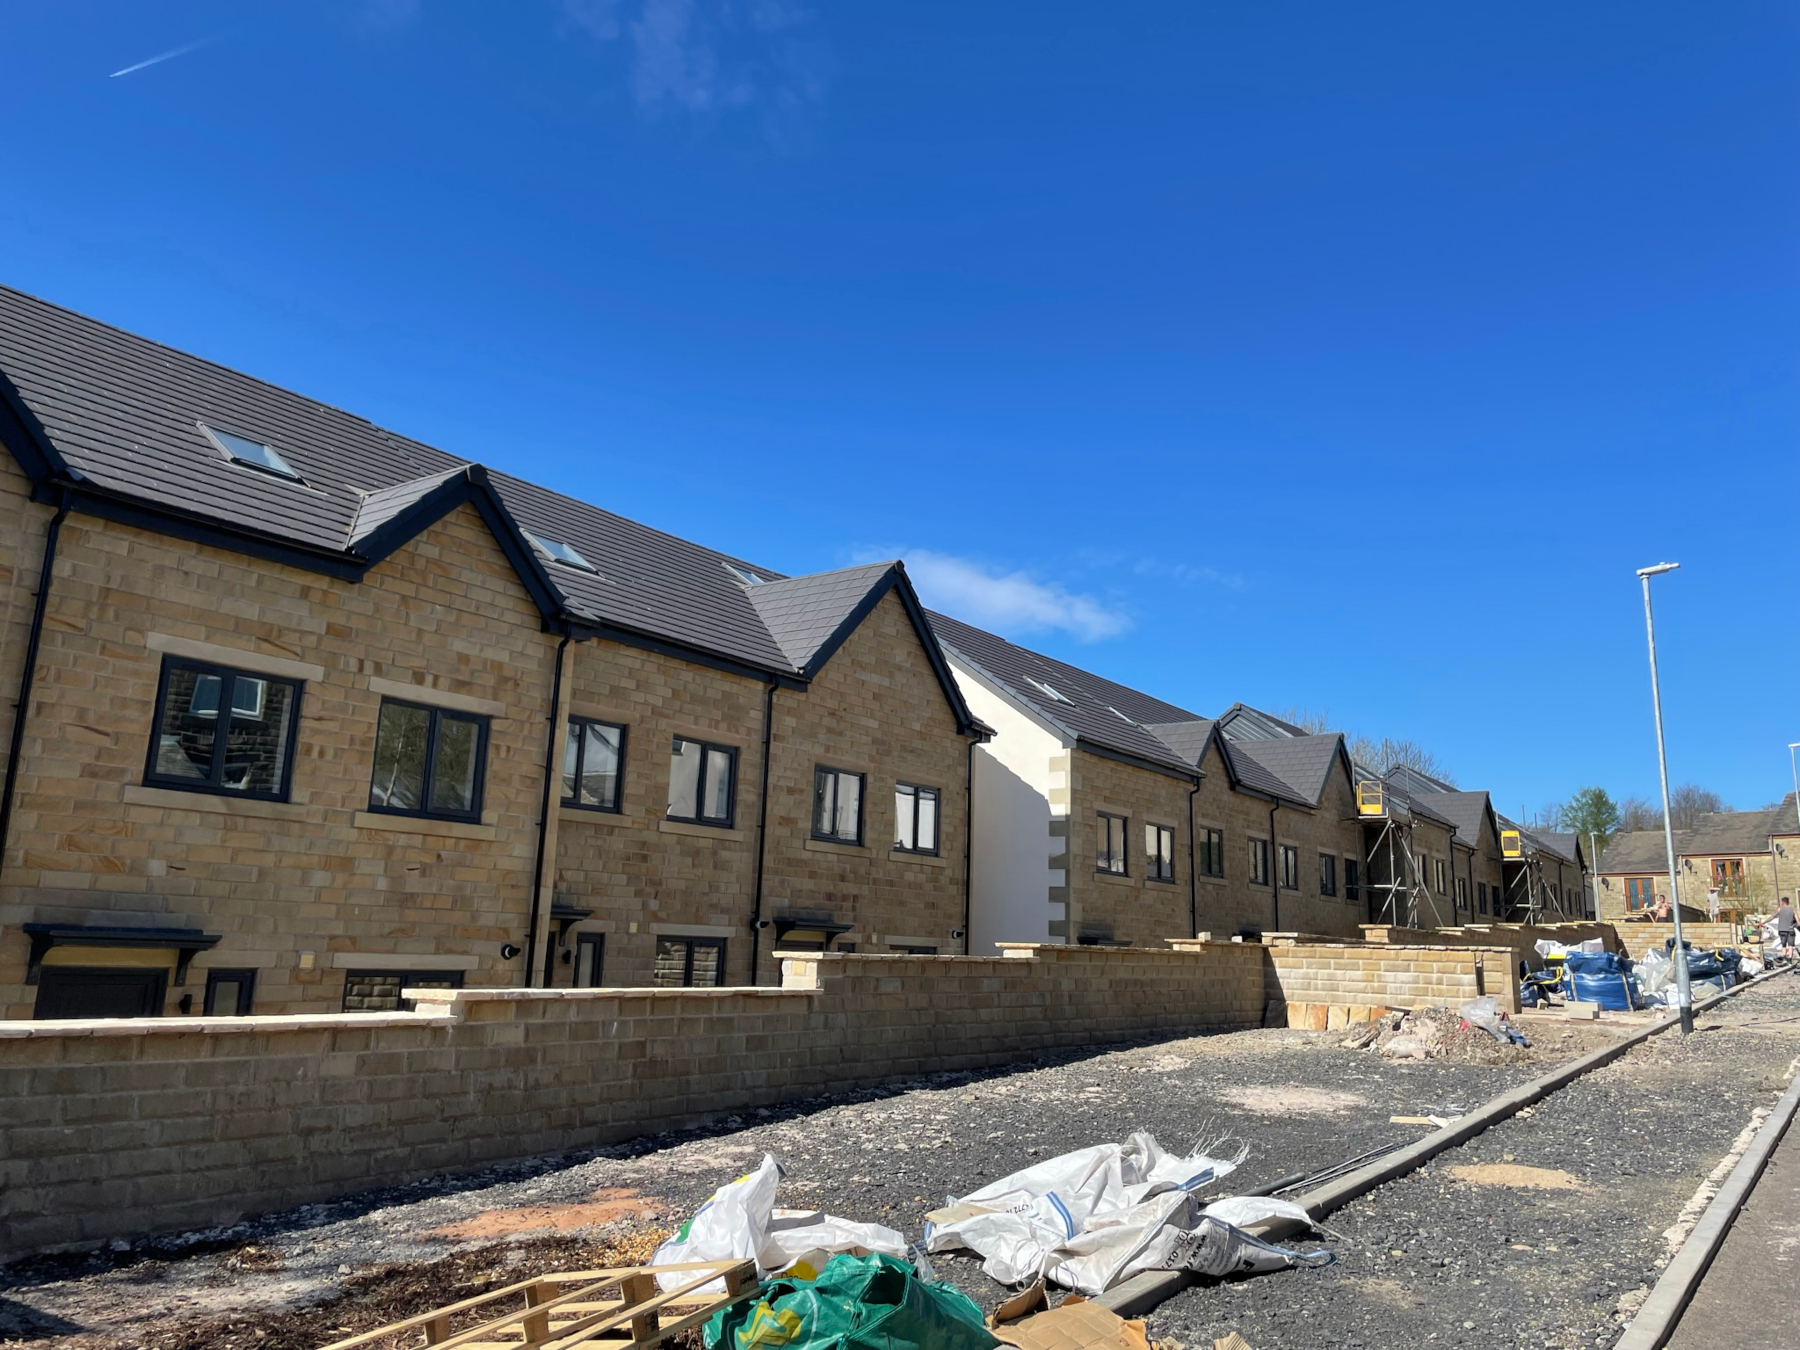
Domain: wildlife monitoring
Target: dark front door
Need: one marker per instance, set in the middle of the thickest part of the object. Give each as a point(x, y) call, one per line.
point(84, 991)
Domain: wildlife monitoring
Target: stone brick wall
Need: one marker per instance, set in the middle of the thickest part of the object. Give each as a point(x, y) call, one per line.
point(1638, 938)
point(1233, 903)
point(120, 1127)
point(1130, 908)
point(1311, 979)
point(1520, 939)
point(443, 618)
point(641, 874)
point(876, 708)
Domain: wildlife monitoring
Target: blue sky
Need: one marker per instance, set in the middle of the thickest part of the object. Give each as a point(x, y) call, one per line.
point(1349, 357)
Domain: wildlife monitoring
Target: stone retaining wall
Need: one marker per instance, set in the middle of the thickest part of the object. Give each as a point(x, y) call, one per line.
point(115, 1128)
point(121, 1127)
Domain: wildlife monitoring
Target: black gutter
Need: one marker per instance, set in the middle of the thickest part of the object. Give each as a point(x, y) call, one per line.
point(26, 676)
point(1193, 870)
point(537, 874)
point(762, 832)
point(1274, 866)
point(968, 852)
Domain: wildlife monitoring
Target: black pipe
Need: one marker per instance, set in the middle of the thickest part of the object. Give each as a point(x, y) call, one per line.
point(537, 873)
point(968, 853)
point(762, 834)
point(26, 676)
point(1193, 869)
point(1274, 868)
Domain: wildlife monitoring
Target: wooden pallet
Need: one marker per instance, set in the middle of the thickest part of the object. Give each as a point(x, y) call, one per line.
point(622, 1309)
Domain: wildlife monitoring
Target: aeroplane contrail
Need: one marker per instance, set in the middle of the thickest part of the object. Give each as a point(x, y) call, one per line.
point(166, 56)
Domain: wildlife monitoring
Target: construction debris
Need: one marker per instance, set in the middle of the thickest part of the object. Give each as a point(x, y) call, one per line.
point(741, 1222)
point(1091, 1219)
point(855, 1303)
point(1029, 1322)
point(1443, 1033)
point(614, 1309)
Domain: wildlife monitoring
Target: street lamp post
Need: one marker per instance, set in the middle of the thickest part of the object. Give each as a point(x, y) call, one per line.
point(1684, 993)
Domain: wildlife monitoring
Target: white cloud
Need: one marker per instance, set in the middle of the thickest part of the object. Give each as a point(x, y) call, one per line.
point(704, 55)
point(1010, 602)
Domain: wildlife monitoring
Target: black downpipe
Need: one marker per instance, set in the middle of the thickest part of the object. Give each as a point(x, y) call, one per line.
point(27, 676)
point(537, 873)
point(1274, 867)
point(762, 833)
point(969, 854)
point(1193, 869)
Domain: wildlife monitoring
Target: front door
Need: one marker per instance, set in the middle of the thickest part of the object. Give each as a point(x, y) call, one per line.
point(87, 991)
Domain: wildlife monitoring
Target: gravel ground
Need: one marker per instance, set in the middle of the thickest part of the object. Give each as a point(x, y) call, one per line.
point(1299, 1100)
point(1447, 1257)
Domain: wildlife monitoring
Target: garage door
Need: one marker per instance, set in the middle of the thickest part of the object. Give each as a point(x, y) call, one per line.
point(84, 991)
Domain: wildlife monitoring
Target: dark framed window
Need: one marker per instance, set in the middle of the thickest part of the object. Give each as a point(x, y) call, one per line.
point(1462, 892)
point(915, 818)
point(837, 805)
point(702, 782)
point(1640, 893)
point(1352, 880)
point(590, 960)
point(1109, 846)
point(912, 950)
point(1259, 862)
point(1159, 853)
point(428, 762)
point(1481, 899)
point(1290, 868)
point(1437, 865)
point(1212, 853)
point(229, 993)
point(593, 764)
point(1327, 874)
point(223, 730)
point(683, 962)
point(379, 990)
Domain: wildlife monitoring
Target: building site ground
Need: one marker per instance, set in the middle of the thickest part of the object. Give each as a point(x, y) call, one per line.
point(1545, 1231)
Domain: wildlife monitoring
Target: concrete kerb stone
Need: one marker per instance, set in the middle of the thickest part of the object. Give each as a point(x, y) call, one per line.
point(1141, 1293)
point(1656, 1321)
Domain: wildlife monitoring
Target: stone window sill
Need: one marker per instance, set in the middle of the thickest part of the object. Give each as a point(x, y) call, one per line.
point(443, 829)
point(570, 815)
point(135, 794)
point(682, 827)
point(831, 846)
point(1114, 879)
point(901, 855)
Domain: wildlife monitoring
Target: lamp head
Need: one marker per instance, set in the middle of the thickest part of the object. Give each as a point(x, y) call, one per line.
point(1657, 570)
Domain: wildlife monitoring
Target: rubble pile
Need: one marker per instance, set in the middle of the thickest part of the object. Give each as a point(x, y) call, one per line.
point(1436, 1033)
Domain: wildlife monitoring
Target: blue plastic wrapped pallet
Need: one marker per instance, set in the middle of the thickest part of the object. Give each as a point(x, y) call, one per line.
point(1599, 977)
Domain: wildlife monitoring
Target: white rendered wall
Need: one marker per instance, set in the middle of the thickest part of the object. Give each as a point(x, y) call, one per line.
point(1011, 872)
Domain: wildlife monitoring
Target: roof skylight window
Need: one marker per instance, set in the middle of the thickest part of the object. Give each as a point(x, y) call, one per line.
point(561, 552)
point(745, 575)
point(1048, 690)
point(251, 454)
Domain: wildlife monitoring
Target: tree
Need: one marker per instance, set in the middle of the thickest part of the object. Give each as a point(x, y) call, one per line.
point(1591, 812)
point(1637, 814)
point(1312, 723)
point(1688, 803)
point(1388, 753)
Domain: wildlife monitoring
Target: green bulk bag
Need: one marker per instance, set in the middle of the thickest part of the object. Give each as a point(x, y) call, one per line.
point(856, 1303)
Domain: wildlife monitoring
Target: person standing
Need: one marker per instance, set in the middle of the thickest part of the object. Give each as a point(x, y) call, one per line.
point(1661, 912)
point(1784, 926)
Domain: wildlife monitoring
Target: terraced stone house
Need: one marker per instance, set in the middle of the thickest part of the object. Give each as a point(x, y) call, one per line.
point(308, 711)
